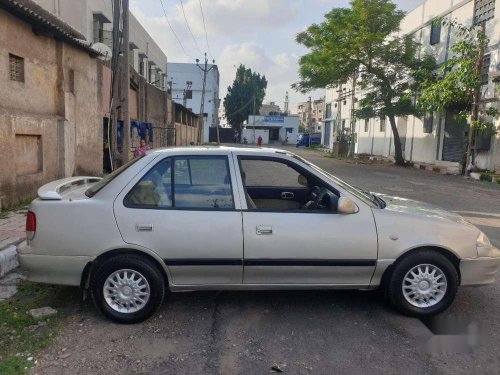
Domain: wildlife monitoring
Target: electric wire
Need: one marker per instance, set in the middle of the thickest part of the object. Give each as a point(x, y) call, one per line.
point(189, 27)
point(172, 29)
point(205, 27)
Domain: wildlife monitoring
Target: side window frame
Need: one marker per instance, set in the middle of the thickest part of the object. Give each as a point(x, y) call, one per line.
point(309, 175)
point(172, 182)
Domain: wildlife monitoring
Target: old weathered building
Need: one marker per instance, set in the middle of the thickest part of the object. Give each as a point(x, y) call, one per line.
point(50, 101)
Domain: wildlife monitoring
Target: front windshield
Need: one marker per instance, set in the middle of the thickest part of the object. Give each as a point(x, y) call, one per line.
point(361, 194)
point(94, 189)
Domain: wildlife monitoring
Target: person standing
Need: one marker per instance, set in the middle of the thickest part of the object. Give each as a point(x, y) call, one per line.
point(142, 149)
point(259, 141)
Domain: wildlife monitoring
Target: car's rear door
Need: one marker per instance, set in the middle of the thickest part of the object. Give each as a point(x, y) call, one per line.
point(184, 208)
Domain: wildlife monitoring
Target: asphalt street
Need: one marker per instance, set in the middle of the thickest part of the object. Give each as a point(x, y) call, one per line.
point(319, 332)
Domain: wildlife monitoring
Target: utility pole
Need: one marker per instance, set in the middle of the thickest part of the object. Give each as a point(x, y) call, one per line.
point(121, 82)
point(205, 71)
point(217, 101)
point(353, 108)
point(476, 102)
point(309, 121)
point(286, 103)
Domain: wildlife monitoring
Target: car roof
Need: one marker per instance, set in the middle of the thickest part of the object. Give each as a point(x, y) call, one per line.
point(217, 149)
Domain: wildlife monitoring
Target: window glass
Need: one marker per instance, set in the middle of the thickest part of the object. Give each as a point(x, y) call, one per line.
point(154, 190)
point(435, 32)
point(269, 173)
point(202, 183)
point(94, 189)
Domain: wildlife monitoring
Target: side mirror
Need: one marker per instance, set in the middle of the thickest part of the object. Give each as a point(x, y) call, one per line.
point(346, 206)
point(302, 180)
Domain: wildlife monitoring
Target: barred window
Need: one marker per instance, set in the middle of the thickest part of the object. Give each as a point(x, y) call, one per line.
point(484, 10)
point(486, 69)
point(16, 68)
point(382, 124)
point(428, 122)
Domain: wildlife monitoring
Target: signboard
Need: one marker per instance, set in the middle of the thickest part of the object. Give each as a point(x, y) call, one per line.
point(274, 119)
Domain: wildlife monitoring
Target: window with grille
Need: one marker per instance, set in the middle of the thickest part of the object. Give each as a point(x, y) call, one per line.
point(486, 69)
point(484, 10)
point(435, 32)
point(16, 68)
point(328, 112)
point(382, 124)
point(428, 122)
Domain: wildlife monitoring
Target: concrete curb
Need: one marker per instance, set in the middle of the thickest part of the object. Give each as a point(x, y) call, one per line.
point(8, 260)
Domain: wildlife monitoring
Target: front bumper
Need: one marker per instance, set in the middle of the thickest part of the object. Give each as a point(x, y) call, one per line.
point(481, 270)
point(51, 269)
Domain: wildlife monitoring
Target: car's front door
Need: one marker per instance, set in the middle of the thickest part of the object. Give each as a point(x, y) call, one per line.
point(184, 209)
point(301, 246)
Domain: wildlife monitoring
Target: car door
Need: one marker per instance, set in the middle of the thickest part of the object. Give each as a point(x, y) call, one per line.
point(184, 209)
point(305, 247)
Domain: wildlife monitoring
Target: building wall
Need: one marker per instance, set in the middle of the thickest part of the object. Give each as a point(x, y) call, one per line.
point(50, 124)
point(419, 146)
point(80, 15)
point(179, 74)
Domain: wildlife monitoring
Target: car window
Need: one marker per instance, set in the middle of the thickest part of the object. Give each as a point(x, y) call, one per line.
point(184, 182)
point(154, 190)
point(269, 173)
point(98, 186)
point(202, 182)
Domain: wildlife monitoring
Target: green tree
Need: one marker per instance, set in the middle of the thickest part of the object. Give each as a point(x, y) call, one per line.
point(459, 83)
point(362, 40)
point(244, 97)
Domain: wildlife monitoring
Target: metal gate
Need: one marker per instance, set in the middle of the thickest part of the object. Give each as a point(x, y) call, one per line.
point(455, 137)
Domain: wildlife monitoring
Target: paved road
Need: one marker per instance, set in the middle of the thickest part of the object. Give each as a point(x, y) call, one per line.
point(322, 332)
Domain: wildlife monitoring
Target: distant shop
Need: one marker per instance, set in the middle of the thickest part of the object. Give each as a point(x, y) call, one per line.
point(272, 129)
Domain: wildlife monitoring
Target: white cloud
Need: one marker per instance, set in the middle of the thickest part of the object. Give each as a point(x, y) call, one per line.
point(257, 33)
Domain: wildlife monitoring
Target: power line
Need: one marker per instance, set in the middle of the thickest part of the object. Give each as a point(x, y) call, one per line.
point(189, 27)
point(173, 32)
point(205, 27)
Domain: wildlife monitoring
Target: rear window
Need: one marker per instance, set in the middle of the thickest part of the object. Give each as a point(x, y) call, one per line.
point(98, 186)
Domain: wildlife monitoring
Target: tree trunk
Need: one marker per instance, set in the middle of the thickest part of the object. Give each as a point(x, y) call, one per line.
point(397, 141)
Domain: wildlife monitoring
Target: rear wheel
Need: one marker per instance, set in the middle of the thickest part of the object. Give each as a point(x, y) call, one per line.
point(128, 288)
point(423, 283)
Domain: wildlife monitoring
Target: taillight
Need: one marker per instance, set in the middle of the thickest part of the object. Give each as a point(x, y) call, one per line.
point(30, 225)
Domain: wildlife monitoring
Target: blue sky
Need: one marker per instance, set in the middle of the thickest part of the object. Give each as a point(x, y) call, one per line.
point(257, 33)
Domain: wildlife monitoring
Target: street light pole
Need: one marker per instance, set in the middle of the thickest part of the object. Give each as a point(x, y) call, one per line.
point(205, 71)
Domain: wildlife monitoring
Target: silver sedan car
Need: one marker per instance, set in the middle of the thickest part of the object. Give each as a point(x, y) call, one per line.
point(218, 218)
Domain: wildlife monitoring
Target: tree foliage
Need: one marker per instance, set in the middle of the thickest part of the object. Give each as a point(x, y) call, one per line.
point(363, 40)
point(459, 83)
point(460, 78)
point(247, 87)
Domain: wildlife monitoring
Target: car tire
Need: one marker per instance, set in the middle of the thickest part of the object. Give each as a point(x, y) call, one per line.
point(423, 283)
point(128, 288)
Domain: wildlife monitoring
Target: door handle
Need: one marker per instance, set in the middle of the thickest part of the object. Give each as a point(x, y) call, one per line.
point(287, 195)
point(144, 227)
point(264, 229)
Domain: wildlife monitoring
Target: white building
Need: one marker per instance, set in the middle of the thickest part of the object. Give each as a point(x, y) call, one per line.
point(436, 139)
point(93, 18)
point(272, 129)
point(188, 78)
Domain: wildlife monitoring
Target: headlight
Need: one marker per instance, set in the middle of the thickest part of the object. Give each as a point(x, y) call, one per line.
point(483, 241)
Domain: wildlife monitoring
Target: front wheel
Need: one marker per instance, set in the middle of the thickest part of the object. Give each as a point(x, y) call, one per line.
point(128, 288)
point(423, 283)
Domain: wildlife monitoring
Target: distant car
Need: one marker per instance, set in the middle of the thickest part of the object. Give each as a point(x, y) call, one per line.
point(242, 219)
point(304, 140)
